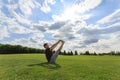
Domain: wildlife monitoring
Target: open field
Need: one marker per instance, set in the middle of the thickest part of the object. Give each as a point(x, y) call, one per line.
point(34, 67)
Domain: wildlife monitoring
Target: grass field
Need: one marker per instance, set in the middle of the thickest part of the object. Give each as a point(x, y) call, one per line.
point(34, 67)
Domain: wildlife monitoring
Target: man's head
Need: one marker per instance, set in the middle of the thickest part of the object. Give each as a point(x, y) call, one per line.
point(46, 45)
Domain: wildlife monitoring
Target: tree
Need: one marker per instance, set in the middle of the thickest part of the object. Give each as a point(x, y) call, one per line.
point(87, 53)
point(71, 53)
point(112, 53)
point(64, 53)
point(94, 53)
point(25, 50)
point(76, 53)
point(6, 48)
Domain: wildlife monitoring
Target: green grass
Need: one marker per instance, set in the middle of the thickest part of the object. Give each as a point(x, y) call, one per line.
point(34, 67)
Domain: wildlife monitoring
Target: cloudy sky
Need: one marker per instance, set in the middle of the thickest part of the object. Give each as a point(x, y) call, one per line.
point(92, 25)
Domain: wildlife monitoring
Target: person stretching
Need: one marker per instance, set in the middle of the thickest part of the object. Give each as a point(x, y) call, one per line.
point(50, 55)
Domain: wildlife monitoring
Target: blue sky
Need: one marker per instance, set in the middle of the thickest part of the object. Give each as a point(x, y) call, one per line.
point(92, 25)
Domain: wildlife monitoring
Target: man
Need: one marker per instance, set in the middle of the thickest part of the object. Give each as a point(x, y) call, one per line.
point(49, 51)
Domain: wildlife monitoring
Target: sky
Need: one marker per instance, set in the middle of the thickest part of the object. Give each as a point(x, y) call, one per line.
point(92, 25)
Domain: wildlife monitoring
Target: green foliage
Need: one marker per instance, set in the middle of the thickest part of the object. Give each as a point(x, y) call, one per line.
point(71, 53)
point(76, 53)
point(64, 52)
point(87, 53)
point(94, 53)
point(10, 49)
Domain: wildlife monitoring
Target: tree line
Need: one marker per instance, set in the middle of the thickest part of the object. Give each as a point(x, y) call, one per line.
point(88, 53)
point(11, 49)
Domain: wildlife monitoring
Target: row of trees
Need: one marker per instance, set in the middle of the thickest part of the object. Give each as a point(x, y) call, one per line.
point(10, 49)
point(69, 53)
point(88, 53)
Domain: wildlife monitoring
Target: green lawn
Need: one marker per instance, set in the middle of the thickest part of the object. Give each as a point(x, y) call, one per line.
point(34, 67)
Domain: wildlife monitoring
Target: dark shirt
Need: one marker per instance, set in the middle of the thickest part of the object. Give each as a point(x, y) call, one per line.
point(48, 54)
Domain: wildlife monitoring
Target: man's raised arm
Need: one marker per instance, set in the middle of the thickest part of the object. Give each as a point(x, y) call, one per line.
point(54, 45)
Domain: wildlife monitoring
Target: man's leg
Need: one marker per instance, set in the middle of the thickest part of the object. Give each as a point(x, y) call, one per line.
point(53, 58)
point(55, 55)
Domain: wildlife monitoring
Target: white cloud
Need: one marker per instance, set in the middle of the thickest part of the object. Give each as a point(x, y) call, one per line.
point(99, 39)
point(109, 44)
point(41, 26)
point(20, 18)
point(3, 29)
point(115, 16)
point(26, 6)
point(3, 32)
point(62, 0)
point(18, 29)
point(1, 4)
point(30, 42)
point(12, 25)
point(51, 1)
point(45, 6)
point(86, 5)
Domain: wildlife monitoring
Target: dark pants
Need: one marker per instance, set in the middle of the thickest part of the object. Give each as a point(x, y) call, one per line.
point(48, 57)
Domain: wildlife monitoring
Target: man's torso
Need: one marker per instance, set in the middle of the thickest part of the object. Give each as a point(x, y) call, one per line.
point(48, 53)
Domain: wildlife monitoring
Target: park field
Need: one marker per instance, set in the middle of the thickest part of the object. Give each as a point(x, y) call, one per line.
point(34, 67)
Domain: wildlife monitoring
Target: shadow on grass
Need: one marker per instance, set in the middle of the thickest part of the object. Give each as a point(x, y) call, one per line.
point(47, 65)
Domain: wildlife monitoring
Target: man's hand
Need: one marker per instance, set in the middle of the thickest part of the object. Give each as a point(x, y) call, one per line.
point(61, 40)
